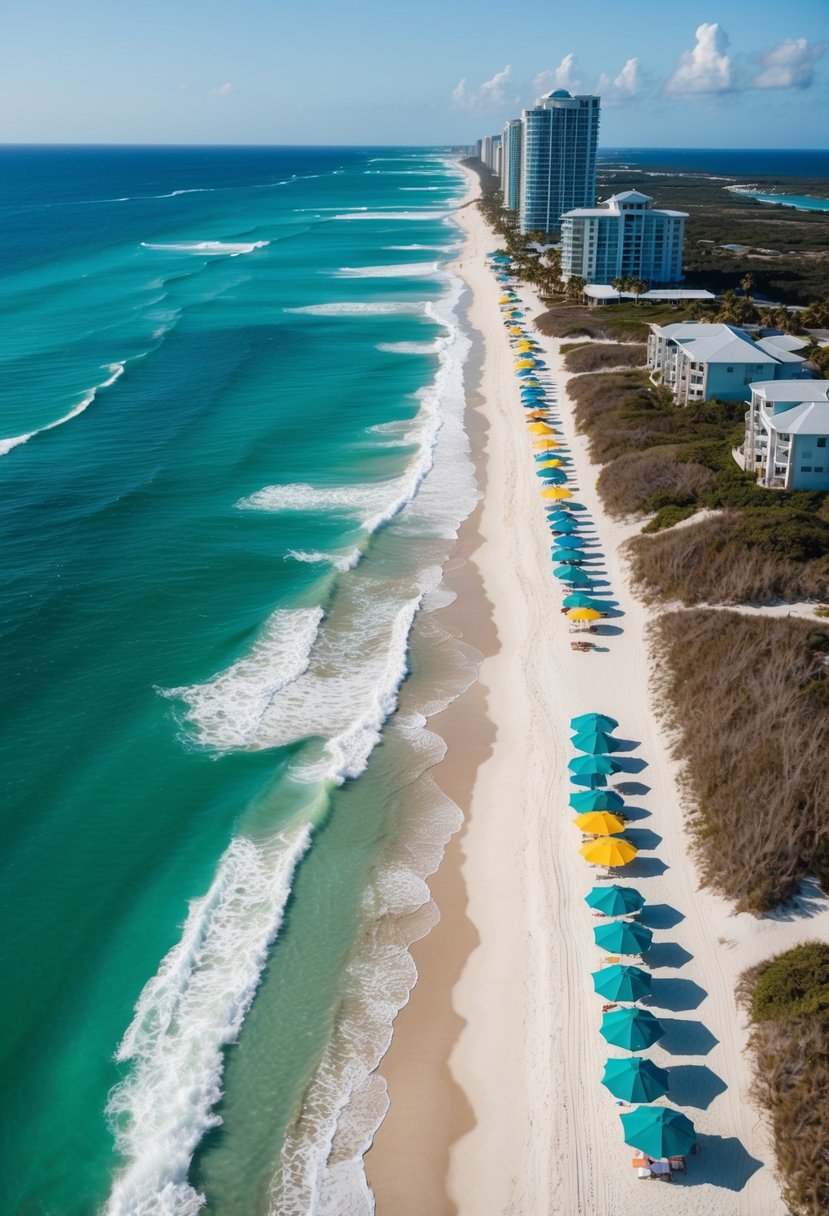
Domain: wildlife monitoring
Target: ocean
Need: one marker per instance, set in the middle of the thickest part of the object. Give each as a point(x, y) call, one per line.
point(232, 465)
point(726, 162)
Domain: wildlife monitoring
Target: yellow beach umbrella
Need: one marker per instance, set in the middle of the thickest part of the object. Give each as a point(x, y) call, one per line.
point(525, 345)
point(545, 445)
point(600, 823)
point(556, 492)
point(523, 363)
point(535, 415)
point(505, 300)
point(541, 428)
point(583, 614)
point(550, 464)
point(516, 330)
point(606, 851)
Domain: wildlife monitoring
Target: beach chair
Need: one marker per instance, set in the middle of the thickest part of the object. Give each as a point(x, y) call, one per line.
point(677, 1165)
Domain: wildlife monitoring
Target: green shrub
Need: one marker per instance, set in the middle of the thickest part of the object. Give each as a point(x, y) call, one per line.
point(792, 984)
point(666, 517)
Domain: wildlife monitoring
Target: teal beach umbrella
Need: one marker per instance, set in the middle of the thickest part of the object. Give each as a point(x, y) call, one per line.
point(633, 1029)
point(594, 742)
point(592, 765)
point(596, 800)
point(564, 527)
point(572, 542)
point(614, 900)
point(619, 983)
point(635, 1079)
point(659, 1131)
point(622, 937)
point(573, 575)
point(567, 555)
point(588, 721)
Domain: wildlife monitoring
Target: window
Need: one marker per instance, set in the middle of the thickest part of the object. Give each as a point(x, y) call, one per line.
point(818, 468)
point(729, 369)
point(822, 442)
point(805, 468)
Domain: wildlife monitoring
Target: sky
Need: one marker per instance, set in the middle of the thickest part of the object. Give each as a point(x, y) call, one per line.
point(726, 73)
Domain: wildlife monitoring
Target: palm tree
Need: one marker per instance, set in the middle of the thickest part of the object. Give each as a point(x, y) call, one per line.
point(747, 282)
point(638, 287)
point(575, 287)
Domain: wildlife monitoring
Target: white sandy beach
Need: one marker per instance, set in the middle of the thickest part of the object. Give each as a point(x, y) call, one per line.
point(544, 1135)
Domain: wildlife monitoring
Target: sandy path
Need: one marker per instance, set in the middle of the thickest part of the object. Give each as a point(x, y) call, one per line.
point(529, 1059)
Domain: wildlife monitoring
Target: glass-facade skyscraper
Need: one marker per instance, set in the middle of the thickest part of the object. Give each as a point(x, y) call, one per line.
point(558, 159)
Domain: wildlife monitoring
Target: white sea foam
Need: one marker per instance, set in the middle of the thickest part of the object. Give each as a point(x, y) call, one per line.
point(428, 248)
point(209, 248)
point(340, 561)
point(362, 309)
point(228, 710)
point(409, 348)
point(391, 215)
point(186, 1015)
point(428, 188)
point(14, 441)
point(405, 270)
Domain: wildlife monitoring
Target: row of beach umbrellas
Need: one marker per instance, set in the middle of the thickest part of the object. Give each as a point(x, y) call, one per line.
point(659, 1131)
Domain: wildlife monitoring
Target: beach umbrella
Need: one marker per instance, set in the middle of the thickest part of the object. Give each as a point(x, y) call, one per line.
point(619, 983)
point(515, 330)
point(599, 823)
point(541, 428)
point(633, 1029)
point(526, 345)
point(614, 900)
point(588, 721)
point(537, 414)
point(524, 371)
point(558, 492)
point(555, 462)
point(578, 599)
point(573, 556)
point(659, 1131)
point(524, 363)
point(593, 764)
point(584, 614)
point(635, 1079)
point(597, 800)
point(554, 477)
point(572, 542)
point(593, 742)
point(546, 445)
point(574, 575)
point(623, 937)
point(607, 850)
point(562, 527)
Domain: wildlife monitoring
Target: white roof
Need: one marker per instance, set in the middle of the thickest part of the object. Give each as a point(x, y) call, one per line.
point(603, 291)
point(796, 391)
point(785, 341)
point(809, 418)
point(630, 196)
point(722, 344)
point(783, 354)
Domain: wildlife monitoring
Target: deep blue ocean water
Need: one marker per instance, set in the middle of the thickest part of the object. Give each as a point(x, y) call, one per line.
point(231, 464)
point(727, 162)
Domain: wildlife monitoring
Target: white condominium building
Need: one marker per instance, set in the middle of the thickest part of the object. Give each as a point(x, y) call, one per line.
point(624, 237)
point(699, 361)
point(558, 159)
point(511, 139)
point(787, 434)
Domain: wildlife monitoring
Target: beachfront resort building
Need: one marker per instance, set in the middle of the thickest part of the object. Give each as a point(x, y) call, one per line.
point(511, 139)
point(624, 237)
point(699, 361)
point(558, 159)
point(787, 434)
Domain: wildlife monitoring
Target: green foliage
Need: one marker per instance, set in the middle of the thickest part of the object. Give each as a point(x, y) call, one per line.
point(667, 516)
point(793, 984)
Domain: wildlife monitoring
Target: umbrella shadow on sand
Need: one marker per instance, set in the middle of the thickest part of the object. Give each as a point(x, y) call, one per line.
point(645, 867)
point(632, 789)
point(722, 1161)
point(686, 1037)
point(660, 916)
point(676, 995)
point(643, 838)
point(668, 954)
point(694, 1085)
point(631, 764)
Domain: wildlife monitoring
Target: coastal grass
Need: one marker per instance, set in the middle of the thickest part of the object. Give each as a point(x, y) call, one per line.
point(759, 556)
point(599, 356)
point(613, 323)
point(747, 702)
point(787, 998)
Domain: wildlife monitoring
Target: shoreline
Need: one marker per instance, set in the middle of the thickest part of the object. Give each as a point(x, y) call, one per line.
point(529, 1128)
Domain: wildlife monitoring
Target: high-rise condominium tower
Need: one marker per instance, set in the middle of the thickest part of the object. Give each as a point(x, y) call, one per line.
point(558, 159)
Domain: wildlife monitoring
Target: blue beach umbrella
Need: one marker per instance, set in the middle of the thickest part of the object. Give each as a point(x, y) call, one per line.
point(554, 477)
point(614, 900)
point(573, 575)
point(578, 599)
point(594, 742)
point(573, 556)
point(623, 937)
point(659, 1131)
point(635, 1079)
point(620, 983)
point(597, 800)
point(572, 542)
point(586, 721)
point(562, 529)
point(633, 1029)
point(591, 765)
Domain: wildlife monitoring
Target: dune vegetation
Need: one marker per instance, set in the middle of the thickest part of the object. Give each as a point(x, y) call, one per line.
point(787, 998)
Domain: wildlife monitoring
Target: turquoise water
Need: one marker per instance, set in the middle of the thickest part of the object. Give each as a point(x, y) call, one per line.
point(803, 202)
point(231, 464)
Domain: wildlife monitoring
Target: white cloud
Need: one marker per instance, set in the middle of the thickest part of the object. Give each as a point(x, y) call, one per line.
point(490, 95)
point(565, 76)
point(706, 68)
point(614, 89)
point(789, 65)
point(223, 90)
